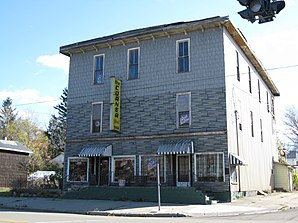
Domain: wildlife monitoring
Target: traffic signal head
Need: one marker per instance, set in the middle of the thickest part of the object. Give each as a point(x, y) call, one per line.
point(262, 10)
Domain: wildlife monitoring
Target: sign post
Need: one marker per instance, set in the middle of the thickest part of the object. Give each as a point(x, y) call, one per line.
point(158, 187)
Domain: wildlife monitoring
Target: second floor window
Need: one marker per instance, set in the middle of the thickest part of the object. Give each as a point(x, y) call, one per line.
point(96, 119)
point(252, 124)
point(183, 56)
point(133, 63)
point(183, 112)
point(249, 80)
point(238, 68)
point(98, 69)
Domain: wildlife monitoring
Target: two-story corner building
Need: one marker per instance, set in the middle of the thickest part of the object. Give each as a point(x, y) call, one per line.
point(189, 96)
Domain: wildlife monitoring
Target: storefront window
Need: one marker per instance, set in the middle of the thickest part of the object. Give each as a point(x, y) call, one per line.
point(209, 167)
point(78, 169)
point(124, 168)
point(234, 178)
point(149, 168)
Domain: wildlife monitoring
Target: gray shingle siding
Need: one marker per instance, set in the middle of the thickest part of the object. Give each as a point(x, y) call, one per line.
point(148, 104)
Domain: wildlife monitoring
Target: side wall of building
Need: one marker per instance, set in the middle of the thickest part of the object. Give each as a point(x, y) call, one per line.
point(10, 174)
point(250, 97)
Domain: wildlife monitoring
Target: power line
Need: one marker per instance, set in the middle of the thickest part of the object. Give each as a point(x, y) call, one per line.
point(164, 85)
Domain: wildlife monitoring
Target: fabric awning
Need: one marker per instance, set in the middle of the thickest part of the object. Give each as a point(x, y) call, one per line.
point(176, 147)
point(93, 151)
point(236, 160)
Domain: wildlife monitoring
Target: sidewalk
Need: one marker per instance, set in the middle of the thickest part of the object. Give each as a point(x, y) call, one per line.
point(257, 204)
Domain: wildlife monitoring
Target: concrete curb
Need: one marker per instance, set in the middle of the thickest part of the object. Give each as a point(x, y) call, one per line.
point(168, 215)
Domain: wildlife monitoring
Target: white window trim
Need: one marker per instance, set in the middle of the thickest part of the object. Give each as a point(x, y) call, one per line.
point(139, 59)
point(164, 161)
point(91, 121)
point(68, 162)
point(103, 67)
point(122, 156)
point(177, 114)
point(177, 54)
point(210, 153)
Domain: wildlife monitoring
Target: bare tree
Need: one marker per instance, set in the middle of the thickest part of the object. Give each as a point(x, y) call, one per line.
point(291, 120)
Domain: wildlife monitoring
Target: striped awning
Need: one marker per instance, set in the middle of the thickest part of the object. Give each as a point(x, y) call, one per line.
point(93, 151)
point(236, 160)
point(176, 147)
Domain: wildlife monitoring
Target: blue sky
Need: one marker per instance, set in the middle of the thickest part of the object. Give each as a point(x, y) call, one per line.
point(33, 73)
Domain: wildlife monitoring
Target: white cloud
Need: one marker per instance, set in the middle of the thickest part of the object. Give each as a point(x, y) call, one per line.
point(54, 61)
point(30, 104)
point(27, 96)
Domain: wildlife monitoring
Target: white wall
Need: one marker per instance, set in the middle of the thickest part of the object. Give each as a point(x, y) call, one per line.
point(257, 175)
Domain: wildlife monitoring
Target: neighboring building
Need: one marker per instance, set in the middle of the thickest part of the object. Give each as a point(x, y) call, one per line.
point(292, 158)
point(58, 160)
point(283, 177)
point(190, 96)
point(12, 154)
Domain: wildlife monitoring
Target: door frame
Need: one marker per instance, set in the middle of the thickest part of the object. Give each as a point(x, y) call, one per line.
point(183, 184)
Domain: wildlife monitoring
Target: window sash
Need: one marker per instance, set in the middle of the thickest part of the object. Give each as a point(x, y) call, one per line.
point(183, 53)
point(77, 169)
point(96, 119)
point(133, 63)
point(148, 167)
point(98, 69)
point(183, 109)
point(210, 167)
point(123, 168)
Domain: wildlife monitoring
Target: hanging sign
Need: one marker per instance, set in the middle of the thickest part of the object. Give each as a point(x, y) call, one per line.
point(115, 104)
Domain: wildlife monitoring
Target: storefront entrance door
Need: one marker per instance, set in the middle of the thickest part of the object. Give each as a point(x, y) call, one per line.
point(104, 171)
point(183, 170)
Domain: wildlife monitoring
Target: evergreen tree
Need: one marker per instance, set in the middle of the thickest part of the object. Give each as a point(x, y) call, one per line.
point(7, 118)
point(56, 131)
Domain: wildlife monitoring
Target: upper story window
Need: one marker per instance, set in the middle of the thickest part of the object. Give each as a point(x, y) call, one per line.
point(183, 53)
point(133, 63)
point(252, 124)
point(259, 91)
point(183, 109)
point(238, 67)
point(272, 106)
point(96, 117)
point(261, 130)
point(249, 80)
point(268, 106)
point(98, 69)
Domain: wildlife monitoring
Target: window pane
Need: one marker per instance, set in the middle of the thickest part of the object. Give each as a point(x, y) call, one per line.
point(77, 170)
point(96, 117)
point(124, 168)
point(184, 118)
point(149, 168)
point(133, 69)
point(98, 70)
point(185, 45)
point(98, 79)
point(209, 167)
point(183, 102)
point(181, 49)
point(183, 56)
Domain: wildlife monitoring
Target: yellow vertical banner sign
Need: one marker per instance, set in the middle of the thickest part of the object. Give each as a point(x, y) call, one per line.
point(115, 104)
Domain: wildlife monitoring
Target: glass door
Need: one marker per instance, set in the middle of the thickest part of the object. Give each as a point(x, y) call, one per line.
point(183, 170)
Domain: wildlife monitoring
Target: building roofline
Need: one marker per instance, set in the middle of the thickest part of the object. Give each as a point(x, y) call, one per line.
point(167, 30)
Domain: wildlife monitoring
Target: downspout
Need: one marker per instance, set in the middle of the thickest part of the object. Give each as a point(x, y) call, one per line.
point(237, 144)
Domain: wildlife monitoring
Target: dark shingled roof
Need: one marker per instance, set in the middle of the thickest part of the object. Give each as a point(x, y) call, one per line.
point(13, 146)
